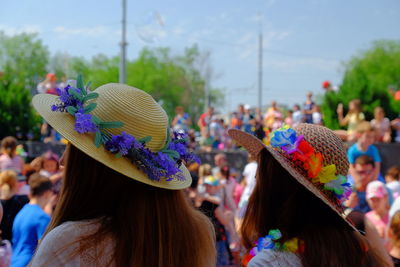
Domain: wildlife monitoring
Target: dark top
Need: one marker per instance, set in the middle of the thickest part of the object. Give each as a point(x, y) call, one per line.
point(10, 209)
point(396, 261)
point(208, 209)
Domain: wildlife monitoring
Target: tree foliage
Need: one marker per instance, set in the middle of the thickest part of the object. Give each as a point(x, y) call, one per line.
point(173, 80)
point(368, 77)
point(23, 60)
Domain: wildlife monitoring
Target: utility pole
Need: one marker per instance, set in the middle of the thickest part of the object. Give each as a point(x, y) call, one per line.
point(260, 64)
point(122, 66)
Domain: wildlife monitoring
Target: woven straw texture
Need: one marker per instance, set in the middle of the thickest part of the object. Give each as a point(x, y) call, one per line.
point(141, 116)
point(322, 140)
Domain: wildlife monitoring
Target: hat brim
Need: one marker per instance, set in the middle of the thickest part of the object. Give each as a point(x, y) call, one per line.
point(254, 146)
point(63, 123)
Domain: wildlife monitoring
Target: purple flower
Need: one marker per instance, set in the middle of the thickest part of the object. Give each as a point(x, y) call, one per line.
point(120, 143)
point(67, 99)
point(84, 123)
point(178, 147)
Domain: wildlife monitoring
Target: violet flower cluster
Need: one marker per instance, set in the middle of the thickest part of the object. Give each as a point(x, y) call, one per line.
point(164, 164)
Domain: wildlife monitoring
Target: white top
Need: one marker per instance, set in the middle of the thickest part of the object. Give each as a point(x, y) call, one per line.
point(394, 186)
point(58, 246)
point(249, 173)
point(273, 258)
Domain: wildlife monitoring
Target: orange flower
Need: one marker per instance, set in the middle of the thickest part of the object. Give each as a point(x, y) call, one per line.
point(305, 150)
point(313, 165)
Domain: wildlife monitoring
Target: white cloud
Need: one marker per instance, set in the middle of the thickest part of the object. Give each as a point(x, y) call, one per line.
point(13, 30)
point(95, 31)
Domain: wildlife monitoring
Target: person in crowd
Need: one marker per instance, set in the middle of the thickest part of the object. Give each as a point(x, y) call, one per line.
point(248, 119)
point(205, 119)
point(381, 124)
point(236, 122)
point(31, 221)
point(9, 160)
point(50, 166)
point(377, 197)
point(296, 203)
point(11, 202)
point(392, 177)
point(181, 121)
point(317, 115)
point(308, 108)
point(258, 116)
point(248, 182)
point(49, 85)
point(298, 116)
point(289, 118)
point(206, 140)
point(364, 146)
point(394, 236)
point(216, 131)
point(396, 126)
point(362, 175)
point(204, 171)
point(210, 201)
point(122, 202)
point(273, 113)
point(353, 118)
point(5, 248)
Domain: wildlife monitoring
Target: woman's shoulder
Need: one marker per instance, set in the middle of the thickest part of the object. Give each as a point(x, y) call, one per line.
point(273, 258)
point(73, 229)
point(61, 242)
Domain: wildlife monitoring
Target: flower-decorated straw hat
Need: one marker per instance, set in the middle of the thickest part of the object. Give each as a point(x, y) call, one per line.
point(121, 127)
point(312, 154)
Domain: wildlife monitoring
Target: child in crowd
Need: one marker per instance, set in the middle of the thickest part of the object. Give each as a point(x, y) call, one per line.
point(394, 236)
point(364, 146)
point(297, 115)
point(9, 160)
point(210, 201)
point(11, 202)
point(377, 197)
point(392, 180)
point(316, 115)
point(353, 118)
point(289, 118)
point(381, 124)
point(31, 222)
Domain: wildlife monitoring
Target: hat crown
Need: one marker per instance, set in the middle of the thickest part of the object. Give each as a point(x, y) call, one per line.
point(327, 143)
point(141, 115)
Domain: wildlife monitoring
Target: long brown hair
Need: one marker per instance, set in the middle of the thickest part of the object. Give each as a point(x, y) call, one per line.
point(280, 202)
point(151, 226)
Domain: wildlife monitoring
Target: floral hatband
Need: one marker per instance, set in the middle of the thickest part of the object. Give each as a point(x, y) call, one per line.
point(270, 242)
point(300, 152)
point(164, 164)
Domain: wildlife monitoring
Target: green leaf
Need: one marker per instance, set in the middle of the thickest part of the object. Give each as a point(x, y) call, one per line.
point(76, 94)
point(90, 96)
point(72, 110)
point(96, 120)
point(97, 140)
point(88, 86)
point(90, 107)
point(79, 82)
point(145, 139)
point(172, 153)
point(118, 155)
point(110, 124)
point(168, 140)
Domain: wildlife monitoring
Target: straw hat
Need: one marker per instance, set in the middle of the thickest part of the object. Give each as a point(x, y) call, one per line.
point(141, 117)
point(322, 140)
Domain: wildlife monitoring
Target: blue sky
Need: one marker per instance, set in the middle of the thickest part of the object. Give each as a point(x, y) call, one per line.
point(305, 42)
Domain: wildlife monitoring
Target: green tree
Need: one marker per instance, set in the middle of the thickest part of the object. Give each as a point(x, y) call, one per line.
point(368, 77)
point(23, 60)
